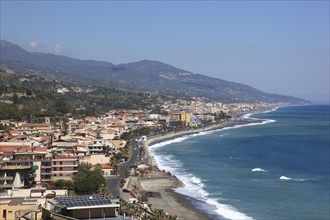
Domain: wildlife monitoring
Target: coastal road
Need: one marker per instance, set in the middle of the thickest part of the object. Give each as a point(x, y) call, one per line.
point(113, 182)
point(130, 162)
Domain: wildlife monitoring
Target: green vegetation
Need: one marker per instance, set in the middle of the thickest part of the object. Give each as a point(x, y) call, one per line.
point(63, 184)
point(30, 96)
point(87, 181)
point(104, 191)
point(127, 136)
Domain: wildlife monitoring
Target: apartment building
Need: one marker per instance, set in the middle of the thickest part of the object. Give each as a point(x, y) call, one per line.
point(64, 168)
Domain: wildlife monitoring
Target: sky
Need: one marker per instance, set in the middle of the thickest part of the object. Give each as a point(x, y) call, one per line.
point(275, 46)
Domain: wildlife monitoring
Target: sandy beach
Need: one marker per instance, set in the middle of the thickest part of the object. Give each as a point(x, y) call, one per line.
point(171, 135)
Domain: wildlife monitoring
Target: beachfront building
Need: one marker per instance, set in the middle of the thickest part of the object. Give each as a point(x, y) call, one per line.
point(185, 118)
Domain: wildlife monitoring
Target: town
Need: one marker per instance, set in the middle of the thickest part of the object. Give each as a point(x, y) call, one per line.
point(99, 167)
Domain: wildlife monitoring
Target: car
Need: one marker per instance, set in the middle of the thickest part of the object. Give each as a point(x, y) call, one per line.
point(150, 194)
point(133, 201)
point(126, 191)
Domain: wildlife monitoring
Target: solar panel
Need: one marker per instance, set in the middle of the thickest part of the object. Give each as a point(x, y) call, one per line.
point(83, 200)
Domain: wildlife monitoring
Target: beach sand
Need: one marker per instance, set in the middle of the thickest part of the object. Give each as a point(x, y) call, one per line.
point(176, 204)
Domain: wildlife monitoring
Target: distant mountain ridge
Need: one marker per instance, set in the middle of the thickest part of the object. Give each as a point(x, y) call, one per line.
point(145, 75)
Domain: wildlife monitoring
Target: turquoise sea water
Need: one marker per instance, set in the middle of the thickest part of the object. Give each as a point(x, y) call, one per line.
point(277, 169)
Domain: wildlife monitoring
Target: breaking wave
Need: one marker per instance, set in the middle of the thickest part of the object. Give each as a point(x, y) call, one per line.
point(292, 179)
point(258, 170)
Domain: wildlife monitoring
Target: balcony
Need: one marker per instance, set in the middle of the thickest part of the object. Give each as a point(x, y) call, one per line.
point(6, 186)
point(65, 165)
point(6, 178)
point(15, 167)
point(64, 171)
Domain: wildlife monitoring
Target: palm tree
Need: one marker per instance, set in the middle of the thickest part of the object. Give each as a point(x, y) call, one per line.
point(104, 191)
point(160, 214)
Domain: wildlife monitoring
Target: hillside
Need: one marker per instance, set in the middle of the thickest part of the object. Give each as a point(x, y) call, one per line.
point(25, 95)
point(146, 75)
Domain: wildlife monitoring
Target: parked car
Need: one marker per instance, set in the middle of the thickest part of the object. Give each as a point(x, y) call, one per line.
point(133, 201)
point(150, 194)
point(125, 190)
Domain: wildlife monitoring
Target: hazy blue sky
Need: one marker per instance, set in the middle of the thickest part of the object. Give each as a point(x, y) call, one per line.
point(275, 46)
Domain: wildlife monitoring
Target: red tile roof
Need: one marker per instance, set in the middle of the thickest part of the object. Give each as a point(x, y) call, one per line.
point(104, 166)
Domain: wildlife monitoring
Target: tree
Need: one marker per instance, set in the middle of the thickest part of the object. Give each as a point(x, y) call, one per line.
point(61, 183)
point(61, 106)
point(88, 181)
point(104, 191)
point(15, 99)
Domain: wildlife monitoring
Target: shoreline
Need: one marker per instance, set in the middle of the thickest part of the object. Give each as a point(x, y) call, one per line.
point(172, 135)
point(176, 203)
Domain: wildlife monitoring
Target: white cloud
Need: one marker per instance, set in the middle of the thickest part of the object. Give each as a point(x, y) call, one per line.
point(57, 48)
point(33, 45)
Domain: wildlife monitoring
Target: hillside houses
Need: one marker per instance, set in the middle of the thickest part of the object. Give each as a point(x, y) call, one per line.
point(40, 153)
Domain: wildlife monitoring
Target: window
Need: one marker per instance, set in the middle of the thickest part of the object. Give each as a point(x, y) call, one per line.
point(4, 214)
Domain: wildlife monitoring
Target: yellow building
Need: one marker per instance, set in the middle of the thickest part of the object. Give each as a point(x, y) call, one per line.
point(185, 118)
point(11, 209)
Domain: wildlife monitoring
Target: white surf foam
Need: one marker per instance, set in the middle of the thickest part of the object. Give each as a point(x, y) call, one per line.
point(194, 186)
point(284, 178)
point(293, 179)
point(225, 134)
point(258, 170)
point(266, 121)
point(175, 140)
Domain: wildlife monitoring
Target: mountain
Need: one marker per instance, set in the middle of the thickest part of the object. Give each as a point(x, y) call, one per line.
point(145, 75)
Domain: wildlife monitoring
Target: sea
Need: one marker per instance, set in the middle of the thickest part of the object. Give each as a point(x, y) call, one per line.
point(274, 169)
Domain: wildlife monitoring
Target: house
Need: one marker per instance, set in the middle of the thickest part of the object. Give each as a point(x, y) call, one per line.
point(35, 128)
point(94, 159)
point(107, 170)
point(100, 146)
point(19, 208)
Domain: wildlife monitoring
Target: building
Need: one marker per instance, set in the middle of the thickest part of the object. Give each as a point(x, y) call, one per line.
point(19, 208)
point(64, 168)
point(35, 128)
point(81, 207)
point(99, 146)
point(16, 175)
point(25, 157)
point(106, 170)
point(185, 118)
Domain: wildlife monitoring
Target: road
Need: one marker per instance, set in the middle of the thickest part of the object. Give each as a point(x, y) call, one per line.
point(113, 182)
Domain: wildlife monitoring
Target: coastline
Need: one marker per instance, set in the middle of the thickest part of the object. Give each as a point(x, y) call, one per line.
point(173, 202)
point(255, 211)
point(172, 135)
